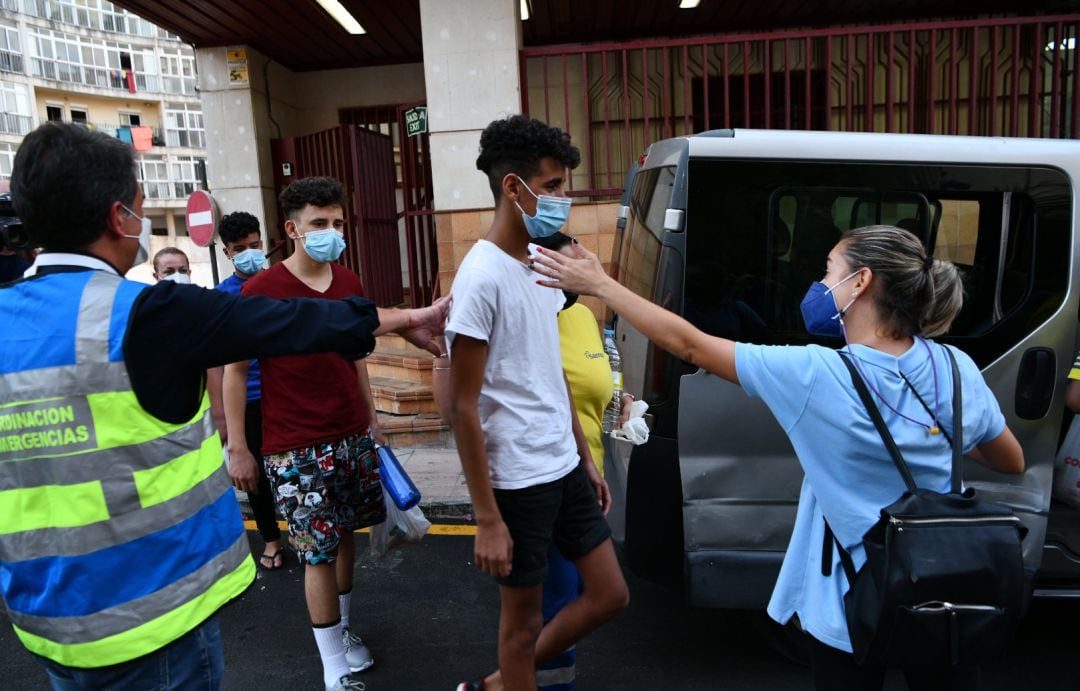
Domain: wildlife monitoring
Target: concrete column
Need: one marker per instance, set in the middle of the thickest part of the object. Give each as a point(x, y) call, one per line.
point(238, 133)
point(471, 72)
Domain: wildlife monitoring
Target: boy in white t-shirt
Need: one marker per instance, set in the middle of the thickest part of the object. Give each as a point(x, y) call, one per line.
point(525, 459)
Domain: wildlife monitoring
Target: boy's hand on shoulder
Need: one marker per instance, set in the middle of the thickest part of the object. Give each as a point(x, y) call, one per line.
point(493, 548)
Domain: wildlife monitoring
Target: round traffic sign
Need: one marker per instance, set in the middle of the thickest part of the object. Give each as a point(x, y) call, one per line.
point(202, 216)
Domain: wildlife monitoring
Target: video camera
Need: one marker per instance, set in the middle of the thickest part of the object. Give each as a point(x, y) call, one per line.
point(13, 234)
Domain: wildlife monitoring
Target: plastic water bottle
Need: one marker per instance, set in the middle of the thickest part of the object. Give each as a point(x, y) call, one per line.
point(611, 412)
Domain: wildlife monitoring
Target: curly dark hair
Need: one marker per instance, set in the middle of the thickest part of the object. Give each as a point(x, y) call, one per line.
point(66, 179)
point(237, 226)
point(317, 191)
point(516, 144)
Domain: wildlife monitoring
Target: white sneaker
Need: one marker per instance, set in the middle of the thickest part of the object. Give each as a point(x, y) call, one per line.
point(347, 683)
point(356, 653)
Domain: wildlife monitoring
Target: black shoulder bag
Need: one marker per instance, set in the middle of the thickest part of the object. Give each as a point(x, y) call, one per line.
point(944, 584)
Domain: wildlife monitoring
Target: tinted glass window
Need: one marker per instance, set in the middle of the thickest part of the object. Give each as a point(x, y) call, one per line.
point(758, 234)
point(644, 230)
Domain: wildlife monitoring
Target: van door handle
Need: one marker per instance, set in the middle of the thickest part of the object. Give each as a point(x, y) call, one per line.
point(1035, 381)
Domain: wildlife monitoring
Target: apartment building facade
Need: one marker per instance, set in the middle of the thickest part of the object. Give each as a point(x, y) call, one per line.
point(91, 63)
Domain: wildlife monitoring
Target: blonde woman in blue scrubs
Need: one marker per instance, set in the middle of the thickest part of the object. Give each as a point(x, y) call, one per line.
point(886, 298)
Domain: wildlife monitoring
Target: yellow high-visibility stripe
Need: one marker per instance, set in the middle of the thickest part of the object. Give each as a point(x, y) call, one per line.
point(148, 637)
point(164, 482)
point(436, 528)
point(121, 421)
point(52, 506)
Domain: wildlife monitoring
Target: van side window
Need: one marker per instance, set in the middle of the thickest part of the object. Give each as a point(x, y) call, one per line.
point(957, 231)
point(758, 233)
point(642, 241)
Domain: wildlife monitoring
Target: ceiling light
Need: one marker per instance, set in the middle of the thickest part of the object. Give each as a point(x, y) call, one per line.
point(342, 16)
point(688, 4)
point(524, 10)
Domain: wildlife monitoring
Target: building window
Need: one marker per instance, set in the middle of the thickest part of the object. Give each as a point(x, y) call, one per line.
point(184, 176)
point(178, 72)
point(54, 113)
point(78, 116)
point(10, 52)
point(7, 159)
point(70, 58)
point(184, 125)
point(92, 14)
point(16, 118)
point(130, 119)
point(154, 175)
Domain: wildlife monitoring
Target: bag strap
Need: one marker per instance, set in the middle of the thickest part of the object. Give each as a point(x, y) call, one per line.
point(958, 426)
point(879, 423)
point(957, 459)
point(846, 562)
point(827, 542)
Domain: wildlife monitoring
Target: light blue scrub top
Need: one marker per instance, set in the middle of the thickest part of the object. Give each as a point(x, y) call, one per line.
point(849, 476)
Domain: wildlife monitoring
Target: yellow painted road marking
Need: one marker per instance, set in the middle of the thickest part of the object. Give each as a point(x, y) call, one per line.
point(436, 528)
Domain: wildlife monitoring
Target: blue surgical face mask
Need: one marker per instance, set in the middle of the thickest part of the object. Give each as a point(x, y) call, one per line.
point(250, 261)
point(819, 310)
point(551, 214)
point(324, 245)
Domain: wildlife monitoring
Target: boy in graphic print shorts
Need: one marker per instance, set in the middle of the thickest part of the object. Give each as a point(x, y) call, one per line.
point(317, 412)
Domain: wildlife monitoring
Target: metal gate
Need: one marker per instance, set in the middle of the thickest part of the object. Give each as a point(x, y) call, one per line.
point(419, 212)
point(363, 161)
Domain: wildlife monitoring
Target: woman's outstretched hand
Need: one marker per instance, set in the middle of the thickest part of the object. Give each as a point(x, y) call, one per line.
point(581, 273)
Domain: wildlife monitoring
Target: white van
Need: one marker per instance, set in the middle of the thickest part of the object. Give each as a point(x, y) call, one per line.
point(729, 228)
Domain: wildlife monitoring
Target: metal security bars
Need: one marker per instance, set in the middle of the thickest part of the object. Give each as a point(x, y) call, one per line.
point(1008, 77)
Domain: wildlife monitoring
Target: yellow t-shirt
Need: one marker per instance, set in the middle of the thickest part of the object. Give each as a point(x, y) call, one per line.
point(589, 373)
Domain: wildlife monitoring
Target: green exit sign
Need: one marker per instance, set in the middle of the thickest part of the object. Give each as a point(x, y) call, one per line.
point(416, 121)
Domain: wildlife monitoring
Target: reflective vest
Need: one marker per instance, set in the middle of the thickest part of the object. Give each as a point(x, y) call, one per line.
point(119, 532)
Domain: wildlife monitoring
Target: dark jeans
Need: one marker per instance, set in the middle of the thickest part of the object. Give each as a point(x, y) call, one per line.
point(262, 503)
point(194, 662)
point(835, 670)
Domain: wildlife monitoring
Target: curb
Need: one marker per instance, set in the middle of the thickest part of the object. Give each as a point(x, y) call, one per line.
point(435, 507)
point(446, 507)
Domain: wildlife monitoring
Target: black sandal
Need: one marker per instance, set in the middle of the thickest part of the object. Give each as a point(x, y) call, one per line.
point(274, 566)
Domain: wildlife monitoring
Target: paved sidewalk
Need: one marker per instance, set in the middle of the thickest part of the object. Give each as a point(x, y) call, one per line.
point(436, 473)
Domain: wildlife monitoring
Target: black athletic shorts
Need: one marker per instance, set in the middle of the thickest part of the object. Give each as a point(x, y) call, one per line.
point(563, 512)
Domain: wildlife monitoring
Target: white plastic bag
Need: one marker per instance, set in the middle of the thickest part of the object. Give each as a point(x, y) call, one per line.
point(634, 430)
point(1067, 467)
point(400, 527)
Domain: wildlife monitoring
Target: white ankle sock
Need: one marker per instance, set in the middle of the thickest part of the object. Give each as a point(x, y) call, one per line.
point(344, 601)
point(332, 652)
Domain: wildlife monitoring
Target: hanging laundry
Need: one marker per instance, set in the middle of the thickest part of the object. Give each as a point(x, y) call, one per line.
point(124, 135)
point(142, 137)
point(131, 80)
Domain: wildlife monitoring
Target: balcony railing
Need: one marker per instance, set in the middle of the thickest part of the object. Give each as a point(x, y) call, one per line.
point(11, 62)
point(179, 85)
point(157, 190)
point(12, 123)
point(194, 139)
point(119, 22)
point(91, 76)
point(112, 129)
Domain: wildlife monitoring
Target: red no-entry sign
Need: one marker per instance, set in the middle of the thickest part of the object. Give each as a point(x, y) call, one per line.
point(202, 217)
